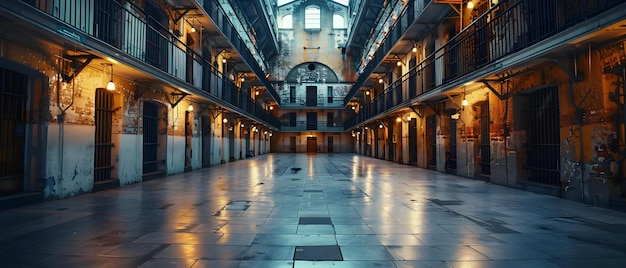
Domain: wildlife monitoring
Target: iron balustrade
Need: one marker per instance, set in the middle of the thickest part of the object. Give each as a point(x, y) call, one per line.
point(512, 25)
point(301, 102)
point(128, 28)
point(306, 126)
point(222, 21)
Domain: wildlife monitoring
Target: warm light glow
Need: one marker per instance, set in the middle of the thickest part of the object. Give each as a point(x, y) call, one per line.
point(468, 83)
point(243, 80)
point(398, 119)
point(380, 126)
point(110, 85)
point(242, 125)
point(271, 134)
point(380, 80)
point(193, 29)
point(414, 49)
point(190, 108)
point(353, 107)
point(464, 102)
point(265, 132)
point(224, 60)
point(256, 93)
point(271, 108)
point(367, 92)
point(399, 63)
point(225, 120)
point(470, 4)
point(408, 118)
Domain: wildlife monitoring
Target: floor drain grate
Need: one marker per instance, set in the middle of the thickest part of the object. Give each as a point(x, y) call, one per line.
point(238, 205)
point(315, 220)
point(318, 253)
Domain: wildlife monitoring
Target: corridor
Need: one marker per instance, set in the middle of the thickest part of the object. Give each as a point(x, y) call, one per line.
point(312, 210)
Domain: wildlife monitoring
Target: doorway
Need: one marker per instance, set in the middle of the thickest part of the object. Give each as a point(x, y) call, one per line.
point(12, 131)
point(311, 96)
point(103, 144)
point(311, 144)
point(206, 141)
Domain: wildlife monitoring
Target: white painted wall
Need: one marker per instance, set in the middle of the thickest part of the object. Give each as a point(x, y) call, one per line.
point(70, 160)
point(129, 160)
point(175, 154)
point(196, 151)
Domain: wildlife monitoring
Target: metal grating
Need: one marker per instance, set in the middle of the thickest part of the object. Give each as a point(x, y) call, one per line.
point(150, 137)
point(318, 253)
point(12, 130)
point(103, 144)
point(485, 139)
point(315, 220)
point(543, 147)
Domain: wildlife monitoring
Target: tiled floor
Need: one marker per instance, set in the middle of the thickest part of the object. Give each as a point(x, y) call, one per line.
point(339, 210)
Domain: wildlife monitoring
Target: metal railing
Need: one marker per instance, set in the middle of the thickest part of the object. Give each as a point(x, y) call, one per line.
point(214, 10)
point(315, 126)
point(128, 28)
point(318, 102)
point(509, 27)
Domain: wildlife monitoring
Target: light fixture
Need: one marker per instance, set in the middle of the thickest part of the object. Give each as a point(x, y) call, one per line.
point(380, 80)
point(464, 102)
point(224, 60)
point(398, 119)
point(380, 126)
point(408, 118)
point(190, 108)
point(242, 125)
point(271, 134)
point(470, 4)
point(414, 49)
point(367, 92)
point(110, 84)
point(256, 92)
point(353, 107)
point(243, 79)
point(455, 116)
point(265, 132)
point(271, 108)
point(399, 63)
point(225, 120)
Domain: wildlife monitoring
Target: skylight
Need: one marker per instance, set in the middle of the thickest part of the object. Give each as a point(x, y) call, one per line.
point(284, 2)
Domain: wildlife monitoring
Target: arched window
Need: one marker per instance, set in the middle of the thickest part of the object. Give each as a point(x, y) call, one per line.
point(312, 17)
point(287, 22)
point(338, 22)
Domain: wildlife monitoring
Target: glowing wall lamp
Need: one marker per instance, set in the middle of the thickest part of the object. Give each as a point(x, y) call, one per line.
point(110, 84)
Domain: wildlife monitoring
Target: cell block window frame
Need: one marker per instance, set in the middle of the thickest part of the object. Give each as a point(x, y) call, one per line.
point(287, 22)
point(339, 22)
point(312, 18)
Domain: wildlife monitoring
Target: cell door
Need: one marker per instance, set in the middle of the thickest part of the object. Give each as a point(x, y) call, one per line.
point(330, 144)
point(103, 144)
point(311, 144)
point(431, 140)
point(311, 121)
point(311, 96)
point(485, 139)
point(543, 138)
point(451, 161)
point(292, 144)
point(206, 141)
point(188, 140)
point(12, 131)
point(413, 142)
point(150, 137)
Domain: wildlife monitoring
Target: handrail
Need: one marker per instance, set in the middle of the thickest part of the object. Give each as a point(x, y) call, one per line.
point(505, 29)
point(129, 29)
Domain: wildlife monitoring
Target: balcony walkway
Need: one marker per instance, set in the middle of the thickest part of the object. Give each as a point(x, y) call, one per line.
point(338, 210)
